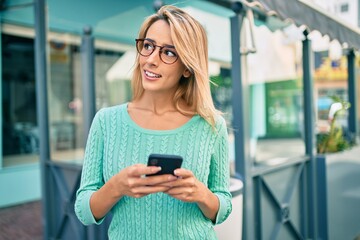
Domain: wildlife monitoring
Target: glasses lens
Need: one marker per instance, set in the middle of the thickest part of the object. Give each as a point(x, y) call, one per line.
point(145, 47)
point(168, 55)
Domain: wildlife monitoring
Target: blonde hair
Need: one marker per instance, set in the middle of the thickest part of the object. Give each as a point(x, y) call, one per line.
point(190, 41)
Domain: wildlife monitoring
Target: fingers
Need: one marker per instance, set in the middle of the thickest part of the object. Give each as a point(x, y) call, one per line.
point(188, 185)
point(145, 190)
point(186, 188)
point(183, 194)
point(183, 181)
point(141, 169)
point(138, 185)
point(142, 186)
point(131, 181)
point(183, 173)
point(158, 180)
point(161, 180)
point(180, 190)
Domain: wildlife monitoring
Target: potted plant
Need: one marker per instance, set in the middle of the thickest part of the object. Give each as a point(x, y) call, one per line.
point(336, 139)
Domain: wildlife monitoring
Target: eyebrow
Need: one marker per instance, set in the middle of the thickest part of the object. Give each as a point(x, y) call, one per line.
point(154, 42)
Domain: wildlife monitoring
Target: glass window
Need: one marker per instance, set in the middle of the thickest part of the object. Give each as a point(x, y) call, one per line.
point(65, 109)
point(20, 139)
point(65, 112)
point(112, 76)
point(274, 75)
point(344, 7)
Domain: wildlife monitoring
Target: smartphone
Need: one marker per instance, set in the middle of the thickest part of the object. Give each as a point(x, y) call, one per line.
point(168, 163)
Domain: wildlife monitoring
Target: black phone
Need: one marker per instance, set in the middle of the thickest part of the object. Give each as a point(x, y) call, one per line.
point(168, 163)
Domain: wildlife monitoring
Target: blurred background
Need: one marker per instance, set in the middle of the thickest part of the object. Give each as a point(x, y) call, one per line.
point(288, 89)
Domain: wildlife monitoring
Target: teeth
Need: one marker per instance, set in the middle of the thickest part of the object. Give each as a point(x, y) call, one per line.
point(150, 74)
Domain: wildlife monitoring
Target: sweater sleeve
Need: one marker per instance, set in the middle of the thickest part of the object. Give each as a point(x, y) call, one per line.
point(219, 178)
point(92, 174)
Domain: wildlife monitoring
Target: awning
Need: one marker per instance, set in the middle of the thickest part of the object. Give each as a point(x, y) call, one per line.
point(304, 12)
point(122, 69)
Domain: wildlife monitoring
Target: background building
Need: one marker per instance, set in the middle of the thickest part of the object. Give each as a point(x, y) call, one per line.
point(347, 10)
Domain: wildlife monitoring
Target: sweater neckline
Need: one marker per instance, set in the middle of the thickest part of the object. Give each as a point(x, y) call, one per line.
point(186, 125)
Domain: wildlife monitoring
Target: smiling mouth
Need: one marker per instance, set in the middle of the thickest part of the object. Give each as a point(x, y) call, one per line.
point(152, 75)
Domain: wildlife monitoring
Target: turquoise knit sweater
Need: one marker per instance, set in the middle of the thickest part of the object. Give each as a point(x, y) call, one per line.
point(115, 141)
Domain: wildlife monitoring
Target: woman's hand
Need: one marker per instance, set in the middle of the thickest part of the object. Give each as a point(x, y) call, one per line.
point(132, 182)
point(188, 188)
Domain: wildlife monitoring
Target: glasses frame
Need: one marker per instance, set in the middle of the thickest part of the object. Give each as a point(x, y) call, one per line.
point(160, 50)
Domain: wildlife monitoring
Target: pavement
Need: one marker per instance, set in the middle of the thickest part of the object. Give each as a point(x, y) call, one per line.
point(343, 192)
point(21, 222)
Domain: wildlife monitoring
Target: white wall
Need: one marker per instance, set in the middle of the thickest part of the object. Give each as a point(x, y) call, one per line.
point(334, 7)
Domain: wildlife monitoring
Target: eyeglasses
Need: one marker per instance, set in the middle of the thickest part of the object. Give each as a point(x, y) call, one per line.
point(146, 47)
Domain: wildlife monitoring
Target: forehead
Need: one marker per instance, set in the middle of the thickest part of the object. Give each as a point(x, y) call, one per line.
point(160, 32)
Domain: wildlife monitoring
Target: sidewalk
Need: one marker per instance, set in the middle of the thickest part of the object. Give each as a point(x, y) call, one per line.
point(21, 222)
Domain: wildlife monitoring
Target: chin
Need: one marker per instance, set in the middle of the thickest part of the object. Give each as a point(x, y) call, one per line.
point(150, 86)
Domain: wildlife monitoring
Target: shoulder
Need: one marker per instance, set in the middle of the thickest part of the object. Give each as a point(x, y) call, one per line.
point(107, 114)
point(219, 127)
point(220, 122)
point(109, 111)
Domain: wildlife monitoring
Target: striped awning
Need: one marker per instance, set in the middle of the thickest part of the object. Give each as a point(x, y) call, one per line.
point(305, 13)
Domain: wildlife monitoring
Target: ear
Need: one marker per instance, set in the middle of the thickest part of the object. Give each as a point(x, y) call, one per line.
point(186, 73)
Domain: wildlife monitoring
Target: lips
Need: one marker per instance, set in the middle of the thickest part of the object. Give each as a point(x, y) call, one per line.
point(151, 74)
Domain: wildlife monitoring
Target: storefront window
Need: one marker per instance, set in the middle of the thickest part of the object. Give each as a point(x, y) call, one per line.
point(20, 138)
point(277, 120)
point(65, 98)
point(275, 99)
point(65, 116)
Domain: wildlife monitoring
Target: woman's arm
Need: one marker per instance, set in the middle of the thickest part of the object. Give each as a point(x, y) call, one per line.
point(219, 176)
point(92, 175)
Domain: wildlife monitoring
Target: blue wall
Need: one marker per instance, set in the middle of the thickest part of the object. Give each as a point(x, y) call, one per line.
point(19, 184)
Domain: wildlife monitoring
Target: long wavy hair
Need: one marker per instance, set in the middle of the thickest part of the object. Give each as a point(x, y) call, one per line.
point(190, 41)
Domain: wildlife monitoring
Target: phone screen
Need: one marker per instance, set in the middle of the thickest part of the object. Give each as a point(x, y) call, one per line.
point(168, 163)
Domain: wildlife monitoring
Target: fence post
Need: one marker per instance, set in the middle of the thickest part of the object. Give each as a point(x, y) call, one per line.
point(321, 188)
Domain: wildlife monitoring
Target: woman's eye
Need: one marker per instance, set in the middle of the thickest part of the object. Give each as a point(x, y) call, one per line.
point(148, 46)
point(169, 53)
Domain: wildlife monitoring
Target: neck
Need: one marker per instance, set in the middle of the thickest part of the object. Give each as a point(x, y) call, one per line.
point(157, 104)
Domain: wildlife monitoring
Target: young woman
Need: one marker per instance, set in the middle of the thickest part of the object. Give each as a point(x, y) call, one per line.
point(171, 113)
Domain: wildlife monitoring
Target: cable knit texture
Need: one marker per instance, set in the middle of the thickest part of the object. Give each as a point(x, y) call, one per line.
point(115, 141)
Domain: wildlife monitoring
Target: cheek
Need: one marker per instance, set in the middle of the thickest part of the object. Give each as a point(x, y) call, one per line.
point(142, 61)
point(175, 75)
point(179, 70)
